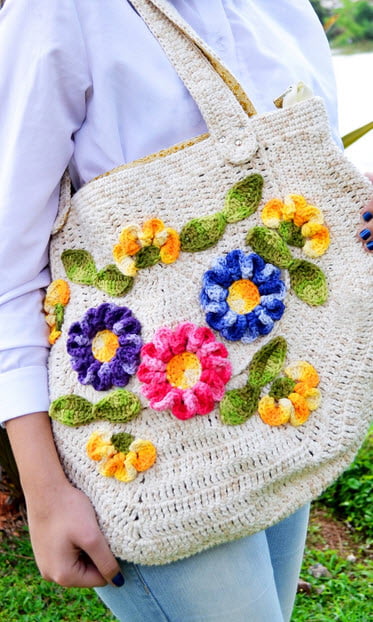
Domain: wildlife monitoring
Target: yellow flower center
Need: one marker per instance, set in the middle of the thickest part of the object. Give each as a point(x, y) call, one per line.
point(243, 296)
point(183, 370)
point(104, 346)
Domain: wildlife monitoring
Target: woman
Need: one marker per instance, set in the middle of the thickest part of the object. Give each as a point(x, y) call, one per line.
point(86, 86)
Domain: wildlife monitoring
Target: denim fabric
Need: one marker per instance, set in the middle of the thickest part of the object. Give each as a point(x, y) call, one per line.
point(253, 579)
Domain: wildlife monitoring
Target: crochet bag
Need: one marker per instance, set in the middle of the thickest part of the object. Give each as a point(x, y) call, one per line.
point(211, 314)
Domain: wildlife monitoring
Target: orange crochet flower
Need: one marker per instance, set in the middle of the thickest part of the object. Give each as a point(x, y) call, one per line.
point(299, 401)
point(295, 208)
point(121, 459)
point(142, 247)
point(56, 298)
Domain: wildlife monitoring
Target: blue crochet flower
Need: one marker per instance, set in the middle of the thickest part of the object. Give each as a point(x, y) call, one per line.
point(242, 296)
point(105, 346)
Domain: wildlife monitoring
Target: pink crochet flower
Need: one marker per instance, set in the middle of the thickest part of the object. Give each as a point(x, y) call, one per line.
point(184, 370)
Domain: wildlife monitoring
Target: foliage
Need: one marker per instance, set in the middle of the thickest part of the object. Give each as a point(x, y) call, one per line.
point(350, 497)
point(344, 596)
point(25, 596)
point(354, 21)
point(322, 12)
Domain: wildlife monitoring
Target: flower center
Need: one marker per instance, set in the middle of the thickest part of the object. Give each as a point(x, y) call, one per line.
point(243, 296)
point(183, 370)
point(104, 346)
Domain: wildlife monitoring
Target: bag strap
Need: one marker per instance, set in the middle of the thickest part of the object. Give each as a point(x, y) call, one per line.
point(221, 99)
point(201, 71)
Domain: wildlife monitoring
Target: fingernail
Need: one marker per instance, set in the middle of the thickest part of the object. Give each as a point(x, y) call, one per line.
point(367, 216)
point(369, 245)
point(118, 580)
point(365, 234)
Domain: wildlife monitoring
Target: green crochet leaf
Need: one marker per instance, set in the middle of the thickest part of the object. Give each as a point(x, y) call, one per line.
point(147, 257)
point(59, 312)
point(291, 233)
point(201, 233)
point(71, 410)
point(120, 406)
point(113, 282)
point(238, 405)
point(243, 199)
point(269, 245)
point(267, 363)
point(80, 266)
point(281, 387)
point(122, 441)
point(308, 282)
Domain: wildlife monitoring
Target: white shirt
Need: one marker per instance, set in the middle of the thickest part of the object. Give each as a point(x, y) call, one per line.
point(84, 83)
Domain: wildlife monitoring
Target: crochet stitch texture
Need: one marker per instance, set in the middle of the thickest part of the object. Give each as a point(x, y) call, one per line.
point(214, 482)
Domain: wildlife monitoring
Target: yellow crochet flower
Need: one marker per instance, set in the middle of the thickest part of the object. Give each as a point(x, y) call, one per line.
point(295, 208)
point(56, 298)
point(122, 464)
point(163, 244)
point(300, 400)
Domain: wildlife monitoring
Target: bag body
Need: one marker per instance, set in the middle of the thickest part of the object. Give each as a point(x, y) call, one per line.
point(223, 473)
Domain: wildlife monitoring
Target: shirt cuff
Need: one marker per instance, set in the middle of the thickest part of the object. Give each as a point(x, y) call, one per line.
point(23, 391)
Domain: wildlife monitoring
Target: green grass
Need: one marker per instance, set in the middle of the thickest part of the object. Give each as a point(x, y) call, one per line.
point(25, 596)
point(345, 596)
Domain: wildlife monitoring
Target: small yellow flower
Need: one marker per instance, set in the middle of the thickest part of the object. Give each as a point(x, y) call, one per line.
point(301, 401)
point(122, 465)
point(134, 238)
point(56, 298)
point(309, 218)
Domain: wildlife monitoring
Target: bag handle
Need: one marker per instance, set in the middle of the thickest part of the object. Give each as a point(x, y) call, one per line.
point(201, 71)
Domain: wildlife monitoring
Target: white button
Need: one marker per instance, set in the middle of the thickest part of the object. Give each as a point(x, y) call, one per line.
point(222, 139)
point(238, 142)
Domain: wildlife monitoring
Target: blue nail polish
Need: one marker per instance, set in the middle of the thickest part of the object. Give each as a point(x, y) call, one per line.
point(365, 234)
point(118, 580)
point(370, 245)
point(367, 216)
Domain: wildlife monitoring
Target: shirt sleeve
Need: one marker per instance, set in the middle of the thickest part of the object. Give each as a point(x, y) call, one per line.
point(43, 84)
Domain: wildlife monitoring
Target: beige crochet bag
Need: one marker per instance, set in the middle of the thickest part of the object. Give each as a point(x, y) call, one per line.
point(211, 314)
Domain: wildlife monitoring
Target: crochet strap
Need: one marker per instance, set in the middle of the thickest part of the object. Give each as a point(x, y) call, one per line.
point(202, 73)
point(64, 203)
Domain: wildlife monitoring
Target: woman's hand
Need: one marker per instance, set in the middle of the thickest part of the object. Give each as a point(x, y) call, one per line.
point(365, 231)
point(68, 545)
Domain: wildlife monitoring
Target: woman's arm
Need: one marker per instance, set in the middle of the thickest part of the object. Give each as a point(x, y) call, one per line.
point(68, 545)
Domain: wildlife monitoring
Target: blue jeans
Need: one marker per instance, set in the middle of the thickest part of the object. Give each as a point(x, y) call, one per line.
point(253, 579)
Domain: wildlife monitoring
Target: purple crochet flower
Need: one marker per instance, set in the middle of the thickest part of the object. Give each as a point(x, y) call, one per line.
point(105, 346)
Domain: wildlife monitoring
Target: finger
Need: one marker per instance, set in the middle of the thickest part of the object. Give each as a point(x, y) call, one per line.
point(366, 212)
point(365, 230)
point(82, 573)
point(104, 560)
point(370, 176)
